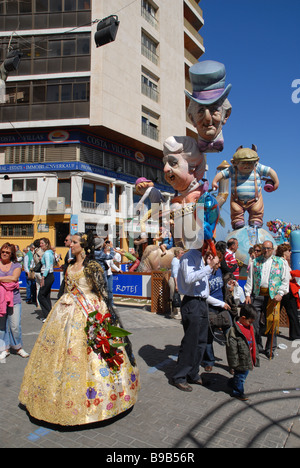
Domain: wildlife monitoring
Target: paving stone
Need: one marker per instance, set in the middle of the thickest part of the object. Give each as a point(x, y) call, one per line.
point(164, 417)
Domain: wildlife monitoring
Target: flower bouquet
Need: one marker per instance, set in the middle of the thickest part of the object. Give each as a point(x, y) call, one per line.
point(105, 339)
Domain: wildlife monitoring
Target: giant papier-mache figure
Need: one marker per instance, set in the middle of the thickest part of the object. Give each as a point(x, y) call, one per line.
point(184, 157)
point(246, 175)
point(209, 110)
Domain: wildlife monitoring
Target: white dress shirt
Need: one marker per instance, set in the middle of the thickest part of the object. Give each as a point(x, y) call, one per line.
point(192, 278)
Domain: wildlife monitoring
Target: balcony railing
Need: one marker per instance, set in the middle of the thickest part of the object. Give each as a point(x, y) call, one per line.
point(150, 131)
point(150, 18)
point(149, 54)
point(150, 92)
point(98, 208)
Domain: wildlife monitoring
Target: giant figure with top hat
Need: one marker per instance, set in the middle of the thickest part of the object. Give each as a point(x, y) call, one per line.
point(185, 164)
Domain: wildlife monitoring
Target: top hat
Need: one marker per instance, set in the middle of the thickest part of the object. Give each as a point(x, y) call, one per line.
point(208, 81)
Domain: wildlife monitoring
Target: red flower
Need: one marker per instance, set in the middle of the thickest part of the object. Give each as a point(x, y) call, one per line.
point(99, 317)
point(113, 396)
point(115, 360)
point(103, 342)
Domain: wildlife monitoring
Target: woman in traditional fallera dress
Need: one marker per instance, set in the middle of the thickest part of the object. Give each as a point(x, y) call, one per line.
point(81, 369)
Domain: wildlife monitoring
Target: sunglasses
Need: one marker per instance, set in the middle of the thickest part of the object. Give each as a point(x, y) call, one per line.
point(6, 252)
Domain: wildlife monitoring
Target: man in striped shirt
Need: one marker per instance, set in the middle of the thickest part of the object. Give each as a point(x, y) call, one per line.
point(246, 174)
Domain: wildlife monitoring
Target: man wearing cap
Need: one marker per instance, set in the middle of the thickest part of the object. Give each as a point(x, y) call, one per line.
point(209, 107)
point(246, 194)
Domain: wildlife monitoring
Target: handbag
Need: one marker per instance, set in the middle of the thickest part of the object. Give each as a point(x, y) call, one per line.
point(38, 267)
point(176, 302)
point(219, 320)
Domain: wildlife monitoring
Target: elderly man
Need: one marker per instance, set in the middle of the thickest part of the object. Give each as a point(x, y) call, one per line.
point(209, 108)
point(267, 282)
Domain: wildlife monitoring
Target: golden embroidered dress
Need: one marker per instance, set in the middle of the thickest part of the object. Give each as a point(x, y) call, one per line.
point(65, 382)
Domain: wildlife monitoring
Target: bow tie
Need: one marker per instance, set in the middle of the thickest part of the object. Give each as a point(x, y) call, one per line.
point(211, 146)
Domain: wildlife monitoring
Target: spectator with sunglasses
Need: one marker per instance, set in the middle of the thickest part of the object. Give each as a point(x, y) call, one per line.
point(10, 303)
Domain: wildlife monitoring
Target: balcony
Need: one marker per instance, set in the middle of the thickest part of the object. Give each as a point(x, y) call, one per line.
point(16, 208)
point(103, 209)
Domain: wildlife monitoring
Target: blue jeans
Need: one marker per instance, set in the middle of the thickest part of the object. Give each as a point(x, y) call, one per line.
point(10, 329)
point(238, 382)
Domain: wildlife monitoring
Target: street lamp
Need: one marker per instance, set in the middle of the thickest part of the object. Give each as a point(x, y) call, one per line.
point(10, 64)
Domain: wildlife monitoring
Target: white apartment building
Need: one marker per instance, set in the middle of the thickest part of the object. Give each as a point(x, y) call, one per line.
point(81, 123)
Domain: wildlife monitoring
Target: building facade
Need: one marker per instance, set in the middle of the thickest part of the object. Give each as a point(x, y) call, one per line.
point(79, 124)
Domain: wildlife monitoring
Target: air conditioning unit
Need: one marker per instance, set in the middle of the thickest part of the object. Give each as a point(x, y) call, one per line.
point(56, 205)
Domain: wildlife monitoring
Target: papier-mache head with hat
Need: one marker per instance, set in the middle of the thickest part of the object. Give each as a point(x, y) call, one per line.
point(142, 183)
point(209, 107)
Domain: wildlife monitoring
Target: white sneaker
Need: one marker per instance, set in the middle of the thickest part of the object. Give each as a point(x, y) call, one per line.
point(21, 352)
point(4, 355)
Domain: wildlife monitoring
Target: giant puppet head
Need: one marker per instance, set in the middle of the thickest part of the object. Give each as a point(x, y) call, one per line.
point(184, 167)
point(209, 107)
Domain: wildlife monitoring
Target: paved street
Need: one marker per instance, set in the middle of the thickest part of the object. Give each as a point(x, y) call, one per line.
point(165, 417)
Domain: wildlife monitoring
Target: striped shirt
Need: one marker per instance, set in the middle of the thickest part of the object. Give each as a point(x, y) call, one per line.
point(246, 182)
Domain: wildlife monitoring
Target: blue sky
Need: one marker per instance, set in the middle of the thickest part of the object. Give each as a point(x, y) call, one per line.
point(259, 43)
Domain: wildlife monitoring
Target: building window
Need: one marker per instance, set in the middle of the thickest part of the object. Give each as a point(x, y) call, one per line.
point(64, 190)
point(18, 185)
point(29, 185)
point(17, 230)
point(118, 194)
point(94, 192)
point(64, 99)
point(149, 12)
point(95, 196)
point(39, 14)
point(149, 48)
point(150, 124)
point(149, 86)
point(51, 54)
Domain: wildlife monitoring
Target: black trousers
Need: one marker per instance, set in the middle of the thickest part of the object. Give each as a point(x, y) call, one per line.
point(290, 304)
point(194, 312)
point(44, 295)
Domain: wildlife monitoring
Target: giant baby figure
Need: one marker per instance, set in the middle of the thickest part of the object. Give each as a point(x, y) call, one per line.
point(246, 174)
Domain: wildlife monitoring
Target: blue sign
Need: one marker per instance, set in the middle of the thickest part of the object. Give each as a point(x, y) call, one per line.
point(128, 285)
